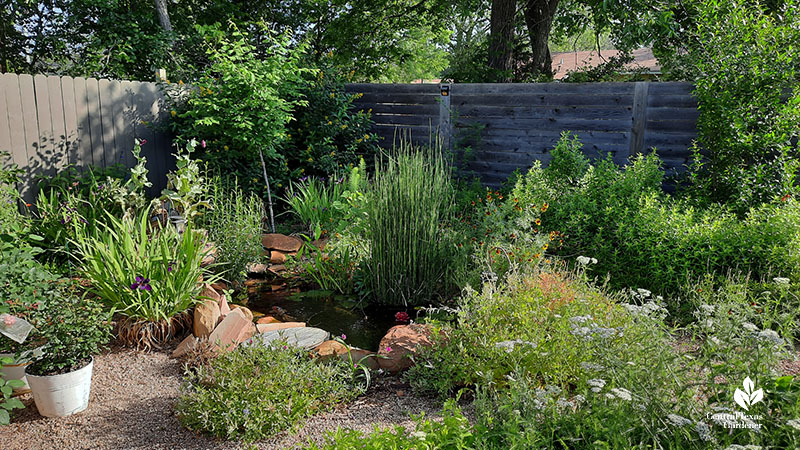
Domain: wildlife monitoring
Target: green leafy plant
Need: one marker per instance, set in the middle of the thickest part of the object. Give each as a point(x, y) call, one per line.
point(453, 432)
point(148, 275)
point(8, 403)
point(328, 133)
point(186, 190)
point(75, 329)
point(256, 392)
point(312, 201)
point(241, 105)
point(9, 196)
point(332, 268)
point(407, 205)
point(25, 285)
point(72, 201)
point(234, 224)
point(748, 97)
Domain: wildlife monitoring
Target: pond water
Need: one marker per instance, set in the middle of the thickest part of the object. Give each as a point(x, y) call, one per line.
point(363, 326)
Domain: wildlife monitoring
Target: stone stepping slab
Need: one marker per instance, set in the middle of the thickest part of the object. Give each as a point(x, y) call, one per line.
point(303, 337)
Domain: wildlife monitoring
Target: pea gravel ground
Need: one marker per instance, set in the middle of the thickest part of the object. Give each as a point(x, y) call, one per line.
point(131, 407)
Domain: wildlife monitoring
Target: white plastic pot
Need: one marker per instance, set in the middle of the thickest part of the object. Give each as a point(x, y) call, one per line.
point(16, 371)
point(64, 394)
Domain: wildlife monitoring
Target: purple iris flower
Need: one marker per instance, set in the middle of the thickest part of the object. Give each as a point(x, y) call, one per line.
point(142, 283)
point(303, 179)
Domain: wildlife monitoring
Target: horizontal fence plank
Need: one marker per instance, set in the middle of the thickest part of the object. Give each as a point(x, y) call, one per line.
point(460, 101)
point(540, 88)
point(669, 100)
point(392, 119)
point(392, 88)
point(542, 112)
point(406, 99)
point(417, 110)
point(565, 124)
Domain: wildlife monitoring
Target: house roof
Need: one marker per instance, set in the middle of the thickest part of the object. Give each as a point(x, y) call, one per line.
point(566, 62)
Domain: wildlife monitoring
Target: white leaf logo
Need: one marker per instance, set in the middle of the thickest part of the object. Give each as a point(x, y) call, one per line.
point(748, 397)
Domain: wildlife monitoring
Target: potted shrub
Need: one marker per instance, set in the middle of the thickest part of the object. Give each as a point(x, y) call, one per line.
point(75, 329)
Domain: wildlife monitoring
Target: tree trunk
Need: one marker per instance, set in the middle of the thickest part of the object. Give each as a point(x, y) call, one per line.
point(501, 39)
point(539, 16)
point(163, 15)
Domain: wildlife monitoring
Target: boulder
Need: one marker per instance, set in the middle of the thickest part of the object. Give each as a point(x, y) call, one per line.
point(329, 349)
point(400, 343)
point(224, 309)
point(367, 358)
point(186, 345)
point(267, 327)
point(279, 257)
point(267, 319)
point(246, 311)
point(281, 242)
point(220, 286)
point(277, 269)
point(305, 337)
point(257, 269)
point(206, 316)
point(232, 331)
point(210, 293)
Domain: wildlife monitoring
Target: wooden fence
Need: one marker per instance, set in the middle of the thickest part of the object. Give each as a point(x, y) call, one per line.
point(49, 122)
point(508, 126)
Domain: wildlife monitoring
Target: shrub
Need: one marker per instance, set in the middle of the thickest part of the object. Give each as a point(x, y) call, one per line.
point(545, 323)
point(234, 225)
point(241, 105)
point(74, 328)
point(749, 102)
point(328, 134)
point(25, 285)
point(255, 392)
point(150, 276)
point(645, 239)
point(407, 204)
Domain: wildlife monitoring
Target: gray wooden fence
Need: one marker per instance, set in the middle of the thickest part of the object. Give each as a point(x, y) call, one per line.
point(49, 122)
point(508, 126)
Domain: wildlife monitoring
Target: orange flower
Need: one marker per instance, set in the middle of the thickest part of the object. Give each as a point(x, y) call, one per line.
point(537, 221)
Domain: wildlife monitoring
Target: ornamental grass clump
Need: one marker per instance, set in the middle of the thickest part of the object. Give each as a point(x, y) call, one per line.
point(148, 275)
point(410, 198)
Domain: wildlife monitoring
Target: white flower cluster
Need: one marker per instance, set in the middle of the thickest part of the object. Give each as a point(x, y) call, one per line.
point(508, 346)
point(781, 280)
point(749, 326)
point(678, 421)
point(743, 447)
point(771, 337)
point(704, 431)
point(622, 394)
point(794, 423)
point(649, 309)
point(596, 384)
point(594, 330)
point(585, 260)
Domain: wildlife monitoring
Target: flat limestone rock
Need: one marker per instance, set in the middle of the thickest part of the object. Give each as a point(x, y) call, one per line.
point(303, 337)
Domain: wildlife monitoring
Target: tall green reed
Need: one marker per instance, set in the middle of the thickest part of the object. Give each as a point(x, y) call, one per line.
point(410, 198)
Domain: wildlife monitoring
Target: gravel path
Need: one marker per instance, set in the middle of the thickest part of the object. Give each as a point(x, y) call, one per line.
point(131, 407)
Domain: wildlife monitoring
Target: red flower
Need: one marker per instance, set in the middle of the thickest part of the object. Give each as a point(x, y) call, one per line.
point(402, 317)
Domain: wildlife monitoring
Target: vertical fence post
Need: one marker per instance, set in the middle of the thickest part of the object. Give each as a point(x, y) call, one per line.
point(639, 117)
point(445, 125)
point(161, 74)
